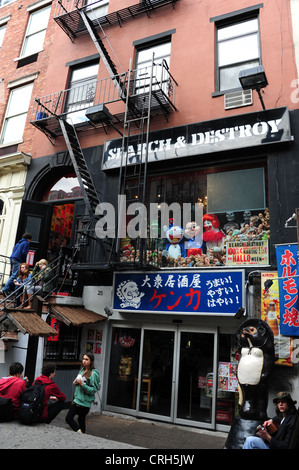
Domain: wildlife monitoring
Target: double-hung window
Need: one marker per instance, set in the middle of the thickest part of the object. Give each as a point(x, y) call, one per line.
point(144, 57)
point(238, 48)
point(81, 92)
point(16, 114)
point(36, 31)
point(96, 9)
point(2, 32)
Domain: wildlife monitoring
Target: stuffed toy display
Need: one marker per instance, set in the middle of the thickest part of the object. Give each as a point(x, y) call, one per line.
point(193, 247)
point(212, 236)
point(193, 244)
point(175, 246)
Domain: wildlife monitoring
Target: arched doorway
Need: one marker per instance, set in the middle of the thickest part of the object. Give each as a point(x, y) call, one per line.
point(48, 213)
point(62, 196)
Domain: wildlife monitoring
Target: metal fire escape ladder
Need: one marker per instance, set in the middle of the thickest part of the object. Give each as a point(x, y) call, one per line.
point(90, 195)
point(137, 170)
point(107, 61)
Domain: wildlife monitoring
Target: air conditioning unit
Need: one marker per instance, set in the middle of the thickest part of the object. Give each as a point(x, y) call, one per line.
point(236, 99)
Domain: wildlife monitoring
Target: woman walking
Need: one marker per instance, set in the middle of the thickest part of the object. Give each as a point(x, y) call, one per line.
point(86, 385)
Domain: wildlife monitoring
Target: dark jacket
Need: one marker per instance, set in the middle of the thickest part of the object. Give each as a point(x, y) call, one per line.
point(20, 250)
point(282, 438)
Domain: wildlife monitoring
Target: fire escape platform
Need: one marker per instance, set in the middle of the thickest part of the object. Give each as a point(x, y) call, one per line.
point(70, 21)
point(49, 109)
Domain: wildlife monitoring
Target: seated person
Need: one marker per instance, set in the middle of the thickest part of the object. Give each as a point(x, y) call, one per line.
point(286, 419)
point(14, 385)
point(54, 398)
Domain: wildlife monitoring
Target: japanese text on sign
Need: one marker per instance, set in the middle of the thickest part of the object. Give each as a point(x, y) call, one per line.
point(206, 292)
point(287, 266)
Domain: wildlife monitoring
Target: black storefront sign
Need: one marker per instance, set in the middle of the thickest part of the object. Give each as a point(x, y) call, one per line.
point(247, 130)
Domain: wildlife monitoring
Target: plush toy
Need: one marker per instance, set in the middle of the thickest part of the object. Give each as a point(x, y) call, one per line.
point(175, 246)
point(193, 245)
point(212, 236)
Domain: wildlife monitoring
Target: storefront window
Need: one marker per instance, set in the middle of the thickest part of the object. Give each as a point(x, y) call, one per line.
point(205, 218)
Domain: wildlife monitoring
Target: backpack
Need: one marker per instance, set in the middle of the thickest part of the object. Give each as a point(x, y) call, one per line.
point(7, 411)
point(32, 403)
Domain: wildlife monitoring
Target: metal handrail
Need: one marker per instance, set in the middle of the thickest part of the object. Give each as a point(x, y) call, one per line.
point(10, 299)
point(103, 91)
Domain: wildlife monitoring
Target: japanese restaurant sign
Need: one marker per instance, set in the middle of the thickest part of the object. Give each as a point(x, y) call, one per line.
point(288, 280)
point(204, 293)
point(235, 132)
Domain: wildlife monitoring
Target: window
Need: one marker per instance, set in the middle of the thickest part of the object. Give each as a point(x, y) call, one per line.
point(238, 48)
point(98, 11)
point(36, 31)
point(16, 114)
point(5, 2)
point(144, 57)
point(2, 32)
point(81, 91)
point(229, 206)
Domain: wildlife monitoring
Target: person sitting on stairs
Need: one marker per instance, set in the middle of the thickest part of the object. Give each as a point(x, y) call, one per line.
point(42, 276)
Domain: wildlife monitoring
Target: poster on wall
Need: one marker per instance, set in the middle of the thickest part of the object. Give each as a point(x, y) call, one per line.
point(270, 313)
point(288, 277)
point(94, 341)
point(250, 253)
point(227, 377)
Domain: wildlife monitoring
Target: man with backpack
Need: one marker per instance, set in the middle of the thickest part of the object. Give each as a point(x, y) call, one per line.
point(43, 400)
point(12, 387)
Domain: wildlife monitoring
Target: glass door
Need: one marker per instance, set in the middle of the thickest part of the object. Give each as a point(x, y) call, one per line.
point(154, 391)
point(164, 373)
point(195, 391)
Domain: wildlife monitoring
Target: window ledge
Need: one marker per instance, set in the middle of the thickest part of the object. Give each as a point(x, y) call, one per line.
point(224, 92)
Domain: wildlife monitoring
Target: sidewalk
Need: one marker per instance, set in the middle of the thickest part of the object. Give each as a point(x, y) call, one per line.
point(108, 431)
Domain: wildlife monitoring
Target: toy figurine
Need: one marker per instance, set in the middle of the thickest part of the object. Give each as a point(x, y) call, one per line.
point(212, 236)
point(175, 246)
point(193, 245)
point(230, 224)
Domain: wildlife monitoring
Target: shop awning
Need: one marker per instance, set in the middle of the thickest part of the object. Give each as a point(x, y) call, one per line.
point(26, 322)
point(76, 316)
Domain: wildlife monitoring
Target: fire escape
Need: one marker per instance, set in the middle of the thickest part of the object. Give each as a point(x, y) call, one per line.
point(133, 97)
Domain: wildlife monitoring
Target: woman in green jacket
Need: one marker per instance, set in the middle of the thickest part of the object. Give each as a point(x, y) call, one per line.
point(86, 384)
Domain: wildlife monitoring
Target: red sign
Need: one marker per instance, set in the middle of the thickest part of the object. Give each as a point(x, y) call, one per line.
point(55, 324)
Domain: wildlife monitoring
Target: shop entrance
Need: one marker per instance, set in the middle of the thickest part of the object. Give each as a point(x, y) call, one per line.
point(165, 373)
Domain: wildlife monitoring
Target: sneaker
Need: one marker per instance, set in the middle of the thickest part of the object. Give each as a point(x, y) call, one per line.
point(3, 292)
point(79, 431)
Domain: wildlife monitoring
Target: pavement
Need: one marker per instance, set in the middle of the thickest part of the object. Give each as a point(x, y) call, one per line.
point(109, 431)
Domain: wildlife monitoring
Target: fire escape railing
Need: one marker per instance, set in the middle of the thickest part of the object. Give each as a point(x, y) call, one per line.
point(73, 102)
point(68, 18)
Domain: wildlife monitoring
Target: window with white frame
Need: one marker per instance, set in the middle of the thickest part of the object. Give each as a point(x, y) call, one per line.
point(2, 32)
point(97, 9)
point(36, 31)
point(5, 2)
point(160, 53)
point(81, 92)
point(238, 48)
point(16, 114)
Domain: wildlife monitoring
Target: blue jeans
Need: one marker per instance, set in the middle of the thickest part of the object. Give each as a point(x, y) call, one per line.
point(10, 286)
point(253, 442)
